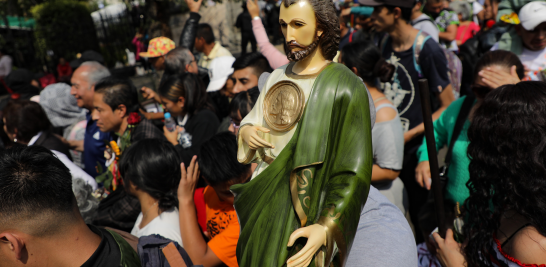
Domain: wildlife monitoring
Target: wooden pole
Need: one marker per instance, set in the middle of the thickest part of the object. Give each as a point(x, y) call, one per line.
point(432, 156)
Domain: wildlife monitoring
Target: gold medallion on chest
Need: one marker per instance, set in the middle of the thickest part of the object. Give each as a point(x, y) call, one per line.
point(283, 106)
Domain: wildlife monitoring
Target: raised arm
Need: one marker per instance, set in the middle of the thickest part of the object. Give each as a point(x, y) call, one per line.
point(275, 58)
point(187, 38)
point(450, 34)
point(193, 241)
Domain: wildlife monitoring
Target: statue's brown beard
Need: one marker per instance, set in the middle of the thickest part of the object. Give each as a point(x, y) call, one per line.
point(301, 54)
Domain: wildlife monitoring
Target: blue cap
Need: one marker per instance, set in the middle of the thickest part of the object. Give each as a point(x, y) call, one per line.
point(167, 115)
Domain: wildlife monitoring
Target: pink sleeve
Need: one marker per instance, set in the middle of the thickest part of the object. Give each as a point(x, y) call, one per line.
point(275, 57)
point(135, 40)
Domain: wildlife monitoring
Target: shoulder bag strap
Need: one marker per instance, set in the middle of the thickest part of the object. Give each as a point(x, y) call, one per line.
point(173, 256)
point(461, 119)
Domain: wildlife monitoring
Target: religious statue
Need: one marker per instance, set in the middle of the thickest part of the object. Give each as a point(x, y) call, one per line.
point(310, 133)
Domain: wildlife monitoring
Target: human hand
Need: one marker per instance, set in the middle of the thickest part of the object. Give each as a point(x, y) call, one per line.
point(316, 237)
point(253, 140)
point(494, 77)
point(193, 5)
point(346, 12)
point(147, 93)
point(422, 174)
point(448, 251)
point(146, 115)
point(172, 137)
point(253, 8)
point(188, 180)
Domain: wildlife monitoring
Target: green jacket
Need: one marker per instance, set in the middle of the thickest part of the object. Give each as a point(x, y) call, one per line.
point(456, 190)
point(321, 176)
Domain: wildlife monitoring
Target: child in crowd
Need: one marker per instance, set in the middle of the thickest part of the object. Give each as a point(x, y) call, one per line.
point(154, 189)
point(219, 167)
point(240, 106)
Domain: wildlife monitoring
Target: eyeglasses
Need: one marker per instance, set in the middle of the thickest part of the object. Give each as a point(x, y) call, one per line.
point(236, 126)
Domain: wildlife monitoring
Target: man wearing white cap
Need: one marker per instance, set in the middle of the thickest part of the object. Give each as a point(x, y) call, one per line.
point(220, 88)
point(531, 46)
point(219, 71)
point(532, 31)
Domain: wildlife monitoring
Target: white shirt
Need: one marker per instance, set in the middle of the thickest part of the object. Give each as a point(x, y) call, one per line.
point(167, 225)
point(75, 171)
point(5, 65)
point(535, 61)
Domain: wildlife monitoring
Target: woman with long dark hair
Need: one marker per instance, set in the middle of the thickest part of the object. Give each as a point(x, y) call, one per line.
point(509, 68)
point(151, 172)
point(500, 67)
point(185, 97)
point(506, 211)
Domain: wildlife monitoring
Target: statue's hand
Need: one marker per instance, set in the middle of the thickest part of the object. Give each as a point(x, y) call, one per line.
point(316, 237)
point(251, 137)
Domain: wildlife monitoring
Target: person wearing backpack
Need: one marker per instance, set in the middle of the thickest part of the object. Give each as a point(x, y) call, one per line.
point(393, 17)
point(423, 22)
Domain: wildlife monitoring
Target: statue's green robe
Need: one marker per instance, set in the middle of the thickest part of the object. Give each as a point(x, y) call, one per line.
point(322, 176)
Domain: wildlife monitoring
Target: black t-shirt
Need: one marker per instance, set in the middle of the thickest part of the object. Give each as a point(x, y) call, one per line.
point(107, 254)
point(403, 89)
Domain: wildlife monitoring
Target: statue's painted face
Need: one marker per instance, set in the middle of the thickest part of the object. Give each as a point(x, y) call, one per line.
point(299, 27)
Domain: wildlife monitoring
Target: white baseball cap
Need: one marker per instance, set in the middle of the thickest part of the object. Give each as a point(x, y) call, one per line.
point(219, 71)
point(532, 14)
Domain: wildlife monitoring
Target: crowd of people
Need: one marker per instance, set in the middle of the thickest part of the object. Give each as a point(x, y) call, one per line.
point(97, 172)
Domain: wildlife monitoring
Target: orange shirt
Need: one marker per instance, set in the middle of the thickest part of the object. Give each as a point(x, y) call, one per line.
point(223, 227)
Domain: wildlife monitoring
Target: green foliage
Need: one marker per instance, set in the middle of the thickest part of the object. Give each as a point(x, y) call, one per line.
point(64, 27)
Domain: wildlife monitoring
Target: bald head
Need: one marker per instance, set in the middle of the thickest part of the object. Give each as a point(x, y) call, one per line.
point(83, 82)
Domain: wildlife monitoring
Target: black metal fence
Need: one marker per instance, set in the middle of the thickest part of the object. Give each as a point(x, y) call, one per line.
point(115, 34)
point(19, 43)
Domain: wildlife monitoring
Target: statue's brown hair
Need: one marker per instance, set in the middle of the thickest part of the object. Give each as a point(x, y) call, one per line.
point(328, 22)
